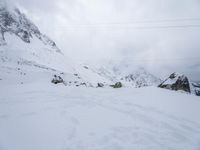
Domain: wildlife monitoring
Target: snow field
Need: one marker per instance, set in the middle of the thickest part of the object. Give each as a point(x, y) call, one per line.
point(44, 116)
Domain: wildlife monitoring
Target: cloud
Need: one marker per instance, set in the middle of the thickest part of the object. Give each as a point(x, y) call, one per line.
point(94, 30)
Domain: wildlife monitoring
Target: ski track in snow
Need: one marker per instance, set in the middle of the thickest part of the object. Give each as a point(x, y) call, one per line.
point(38, 116)
point(61, 118)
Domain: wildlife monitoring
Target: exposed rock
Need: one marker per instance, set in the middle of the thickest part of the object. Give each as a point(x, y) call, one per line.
point(86, 67)
point(57, 79)
point(83, 84)
point(176, 82)
point(117, 85)
point(196, 87)
point(197, 92)
point(100, 85)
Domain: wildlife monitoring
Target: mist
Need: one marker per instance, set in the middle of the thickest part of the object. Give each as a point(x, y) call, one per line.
point(162, 36)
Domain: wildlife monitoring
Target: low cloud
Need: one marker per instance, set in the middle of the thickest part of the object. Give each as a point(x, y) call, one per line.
point(123, 31)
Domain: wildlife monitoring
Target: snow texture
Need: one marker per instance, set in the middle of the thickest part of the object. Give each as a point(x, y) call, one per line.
point(44, 116)
point(74, 115)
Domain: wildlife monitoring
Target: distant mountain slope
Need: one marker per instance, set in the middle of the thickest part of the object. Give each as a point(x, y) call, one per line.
point(27, 54)
point(15, 22)
point(141, 78)
point(22, 41)
point(137, 77)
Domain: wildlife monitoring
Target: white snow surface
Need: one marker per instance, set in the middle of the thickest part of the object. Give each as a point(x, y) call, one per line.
point(41, 116)
point(38, 115)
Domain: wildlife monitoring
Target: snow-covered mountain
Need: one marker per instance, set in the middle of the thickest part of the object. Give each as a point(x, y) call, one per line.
point(141, 78)
point(137, 77)
point(12, 21)
point(22, 42)
point(27, 55)
point(25, 50)
point(36, 114)
point(180, 82)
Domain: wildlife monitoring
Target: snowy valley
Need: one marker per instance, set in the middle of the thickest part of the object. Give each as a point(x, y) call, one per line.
point(50, 102)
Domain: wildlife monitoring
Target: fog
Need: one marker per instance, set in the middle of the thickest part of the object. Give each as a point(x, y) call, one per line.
point(162, 36)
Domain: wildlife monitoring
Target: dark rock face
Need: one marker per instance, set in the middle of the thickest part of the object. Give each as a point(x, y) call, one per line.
point(100, 85)
point(197, 92)
point(57, 79)
point(14, 22)
point(196, 88)
point(83, 84)
point(176, 82)
point(117, 85)
point(86, 67)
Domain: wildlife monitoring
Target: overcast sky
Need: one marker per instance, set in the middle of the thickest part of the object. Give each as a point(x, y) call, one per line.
point(123, 31)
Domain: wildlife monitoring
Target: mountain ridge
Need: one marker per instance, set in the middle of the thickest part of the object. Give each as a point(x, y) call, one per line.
point(22, 44)
point(17, 23)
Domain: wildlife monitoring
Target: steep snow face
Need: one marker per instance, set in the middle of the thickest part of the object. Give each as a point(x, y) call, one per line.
point(27, 54)
point(22, 45)
point(14, 22)
point(22, 42)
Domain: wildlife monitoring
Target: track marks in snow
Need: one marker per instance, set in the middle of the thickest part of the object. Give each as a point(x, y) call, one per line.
point(89, 119)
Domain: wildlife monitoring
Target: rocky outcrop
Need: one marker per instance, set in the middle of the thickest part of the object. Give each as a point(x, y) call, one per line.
point(57, 79)
point(117, 85)
point(15, 22)
point(196, 87)
point(100, 85)
point(197, 92)
point(176, 82)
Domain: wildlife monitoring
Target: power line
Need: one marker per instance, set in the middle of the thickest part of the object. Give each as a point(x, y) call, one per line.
point(111, 28)
point(160, 59)
point(168, 20)
point(164, 59)
point(138, 22)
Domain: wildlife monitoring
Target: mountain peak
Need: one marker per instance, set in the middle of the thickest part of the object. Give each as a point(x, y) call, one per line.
point(177, 82)
point(14, 22)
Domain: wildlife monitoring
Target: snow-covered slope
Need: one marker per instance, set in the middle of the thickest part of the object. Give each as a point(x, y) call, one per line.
point(21, 41)
point(141, 78)
point(37, 116)
point(12, 21)
point(25, 49)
